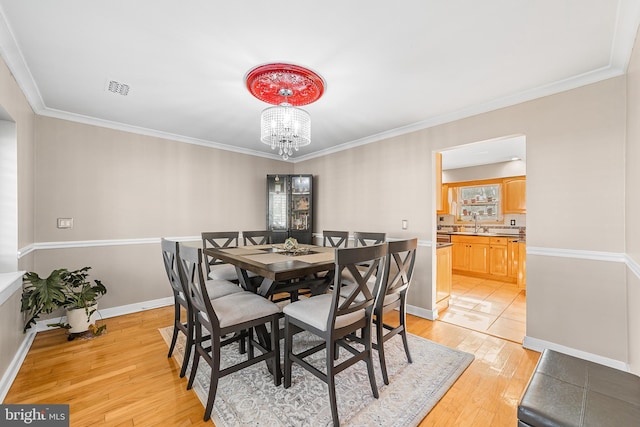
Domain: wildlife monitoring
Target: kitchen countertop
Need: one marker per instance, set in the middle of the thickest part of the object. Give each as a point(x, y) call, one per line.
point(519, 237)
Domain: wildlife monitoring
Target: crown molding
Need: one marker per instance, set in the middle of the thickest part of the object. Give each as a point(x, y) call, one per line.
point(626, 26)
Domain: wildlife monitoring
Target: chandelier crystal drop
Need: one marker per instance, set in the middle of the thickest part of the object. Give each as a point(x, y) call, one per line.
point(286, 128)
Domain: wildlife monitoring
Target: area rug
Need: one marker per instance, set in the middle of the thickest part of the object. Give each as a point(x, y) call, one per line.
point(249, 398)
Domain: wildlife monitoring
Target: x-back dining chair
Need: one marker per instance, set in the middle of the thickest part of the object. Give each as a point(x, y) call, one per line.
point(398, 272)
point(235, 316)
point(216, 268)
point(361, 238)
point(215, 289)
point(169, 256)
point(335, 239)
point(333, 317)
point(258, 237)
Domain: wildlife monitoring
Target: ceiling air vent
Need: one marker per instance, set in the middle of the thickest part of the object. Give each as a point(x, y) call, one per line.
point(117, 87)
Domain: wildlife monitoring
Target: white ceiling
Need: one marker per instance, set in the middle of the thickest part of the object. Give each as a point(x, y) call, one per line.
point(390, 67)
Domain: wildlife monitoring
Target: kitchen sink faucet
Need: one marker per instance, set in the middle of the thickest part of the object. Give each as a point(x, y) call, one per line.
point(475, 219)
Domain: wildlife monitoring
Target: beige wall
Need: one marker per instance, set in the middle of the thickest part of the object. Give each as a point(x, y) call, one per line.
point(575, 167)
point(632, 212)
point(118, 185)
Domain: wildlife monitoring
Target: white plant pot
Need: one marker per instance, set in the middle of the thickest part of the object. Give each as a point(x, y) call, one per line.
point(77, 319)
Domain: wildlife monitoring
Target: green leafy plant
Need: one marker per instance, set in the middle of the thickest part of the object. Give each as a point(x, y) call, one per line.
point(63, 288)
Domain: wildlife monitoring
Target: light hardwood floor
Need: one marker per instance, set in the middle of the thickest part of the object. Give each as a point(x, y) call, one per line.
point(124, 377)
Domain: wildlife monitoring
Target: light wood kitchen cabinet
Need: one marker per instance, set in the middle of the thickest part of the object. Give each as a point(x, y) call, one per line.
point(498, 256)
point(470, 253)
point(444, 200)
point(515, 195)
point(522, 265)
point(444, 277)
point(513, 248)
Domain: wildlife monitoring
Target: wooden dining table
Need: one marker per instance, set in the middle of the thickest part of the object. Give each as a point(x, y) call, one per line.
point(279, 270)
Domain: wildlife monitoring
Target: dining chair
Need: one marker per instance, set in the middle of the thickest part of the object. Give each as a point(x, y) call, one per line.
point(259, 237)
point(215, 289)
point(398, 272)
point(335, 239)
point(361, 238)
point(216, 268)
point(169, 256)
point(226, 320)
point(334, 318)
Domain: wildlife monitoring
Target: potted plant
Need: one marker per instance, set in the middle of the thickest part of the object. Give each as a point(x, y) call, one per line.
point(63, 288)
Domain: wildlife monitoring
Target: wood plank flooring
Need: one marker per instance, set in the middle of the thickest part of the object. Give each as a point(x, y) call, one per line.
point(124, 377)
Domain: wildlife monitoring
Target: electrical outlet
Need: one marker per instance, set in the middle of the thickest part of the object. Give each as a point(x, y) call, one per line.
point(65, 222)
point(405, 224)
point(513, 222)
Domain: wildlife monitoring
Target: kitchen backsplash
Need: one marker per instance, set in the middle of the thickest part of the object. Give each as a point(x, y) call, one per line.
point(447, 223)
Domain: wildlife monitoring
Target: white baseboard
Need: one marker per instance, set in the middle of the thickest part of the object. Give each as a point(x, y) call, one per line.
point(539, 345)
point(422, 312)
point(13, 368)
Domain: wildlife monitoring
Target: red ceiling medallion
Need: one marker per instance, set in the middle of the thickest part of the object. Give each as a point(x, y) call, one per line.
point(278, 83)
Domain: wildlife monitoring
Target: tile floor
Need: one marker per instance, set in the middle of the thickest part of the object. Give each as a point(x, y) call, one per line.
point(489, 306)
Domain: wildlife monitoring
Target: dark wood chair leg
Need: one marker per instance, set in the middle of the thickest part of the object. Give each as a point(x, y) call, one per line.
point(194, 368)
point(380, 344)
point(331, 382)
point(275, 347)
point(369, 361)
point(174, 338)
point(288, 345)
point(213, 382)
point(404, 332)
point(188, 348)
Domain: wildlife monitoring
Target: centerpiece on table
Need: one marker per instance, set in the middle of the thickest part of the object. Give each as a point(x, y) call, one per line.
point(291, 246)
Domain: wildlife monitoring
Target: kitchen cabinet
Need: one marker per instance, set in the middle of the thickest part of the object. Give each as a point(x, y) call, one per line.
point(470, 253)
point(498, 256)
point(289, 207)
point(522, 265)
point(444, 278)
point(444, 200)
point(515, 191)
point(513, 258)
point(491, 257)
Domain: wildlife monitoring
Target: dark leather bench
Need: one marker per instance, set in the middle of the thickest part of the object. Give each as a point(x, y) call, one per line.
point(568, 391)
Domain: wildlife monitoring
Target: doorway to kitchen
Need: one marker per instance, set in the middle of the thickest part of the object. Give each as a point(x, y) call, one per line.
point(487, 231)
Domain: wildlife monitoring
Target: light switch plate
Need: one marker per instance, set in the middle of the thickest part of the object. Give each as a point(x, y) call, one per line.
point(65, 222)
point(405, 224)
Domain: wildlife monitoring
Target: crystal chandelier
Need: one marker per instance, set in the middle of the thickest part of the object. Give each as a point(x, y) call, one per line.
point(284, 126)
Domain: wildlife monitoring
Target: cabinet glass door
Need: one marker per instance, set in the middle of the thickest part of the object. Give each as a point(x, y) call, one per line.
point(278, 203)
point(300, 202)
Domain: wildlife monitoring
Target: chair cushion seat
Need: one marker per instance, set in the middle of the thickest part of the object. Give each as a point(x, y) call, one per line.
point(221, 288)
point(241, 307)
point(314, 311)
point(226, 272)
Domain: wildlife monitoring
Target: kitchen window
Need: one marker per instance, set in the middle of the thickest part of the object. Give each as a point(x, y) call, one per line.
point(481, 202)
